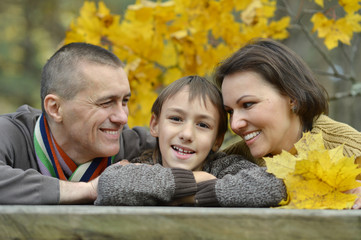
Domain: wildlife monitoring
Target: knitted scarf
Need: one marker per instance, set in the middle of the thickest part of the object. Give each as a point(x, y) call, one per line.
point(53, 161)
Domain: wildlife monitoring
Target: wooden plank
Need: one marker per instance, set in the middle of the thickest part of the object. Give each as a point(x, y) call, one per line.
point(94, 222)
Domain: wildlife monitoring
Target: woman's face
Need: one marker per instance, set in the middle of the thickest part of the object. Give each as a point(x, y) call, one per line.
point(260, 114)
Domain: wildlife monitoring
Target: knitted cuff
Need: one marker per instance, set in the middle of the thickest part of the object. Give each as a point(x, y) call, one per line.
point(185, 184)
point(206, 194)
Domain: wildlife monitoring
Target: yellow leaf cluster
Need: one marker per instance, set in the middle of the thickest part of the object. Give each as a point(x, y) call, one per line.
point(316, 178)
point(342, 29)
point(165, 40)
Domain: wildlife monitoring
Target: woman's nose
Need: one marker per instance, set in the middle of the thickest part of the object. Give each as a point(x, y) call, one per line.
point(238, 122)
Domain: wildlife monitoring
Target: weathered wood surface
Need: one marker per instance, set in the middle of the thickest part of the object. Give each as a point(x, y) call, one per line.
point(93, 222)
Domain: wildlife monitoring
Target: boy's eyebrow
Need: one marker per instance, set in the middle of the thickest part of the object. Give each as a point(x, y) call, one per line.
point(203, 116)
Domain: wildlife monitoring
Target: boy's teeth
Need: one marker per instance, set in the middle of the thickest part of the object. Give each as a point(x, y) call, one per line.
point(181, 150)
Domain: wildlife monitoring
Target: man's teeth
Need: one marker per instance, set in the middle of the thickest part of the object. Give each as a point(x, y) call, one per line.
point(111, 132)
point(182, 151)
point(251, 135)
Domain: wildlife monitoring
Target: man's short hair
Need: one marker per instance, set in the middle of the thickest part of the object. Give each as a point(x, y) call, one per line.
point(61, 74)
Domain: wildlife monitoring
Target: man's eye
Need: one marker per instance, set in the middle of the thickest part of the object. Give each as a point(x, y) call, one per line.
point(125, 101)
point(106, 104)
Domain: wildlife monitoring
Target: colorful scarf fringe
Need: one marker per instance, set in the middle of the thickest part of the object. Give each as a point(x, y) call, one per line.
point(53, 161)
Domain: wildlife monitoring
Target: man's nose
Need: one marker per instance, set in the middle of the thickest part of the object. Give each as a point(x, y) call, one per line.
point(120, 115)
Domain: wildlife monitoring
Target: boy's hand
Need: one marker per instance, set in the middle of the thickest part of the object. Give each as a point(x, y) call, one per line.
point(201, 176)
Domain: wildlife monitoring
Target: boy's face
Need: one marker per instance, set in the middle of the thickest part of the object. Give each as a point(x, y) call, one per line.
point(187, 131)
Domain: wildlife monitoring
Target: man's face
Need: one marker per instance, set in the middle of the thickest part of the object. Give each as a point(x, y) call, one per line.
point(92, 121)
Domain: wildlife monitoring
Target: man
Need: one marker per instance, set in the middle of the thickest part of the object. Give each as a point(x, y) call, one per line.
point(54, 156)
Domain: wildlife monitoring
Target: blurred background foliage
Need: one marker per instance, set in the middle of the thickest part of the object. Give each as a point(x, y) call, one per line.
point(32, 30)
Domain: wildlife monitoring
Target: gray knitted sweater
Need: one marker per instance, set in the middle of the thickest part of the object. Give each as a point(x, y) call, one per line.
point(239, 183)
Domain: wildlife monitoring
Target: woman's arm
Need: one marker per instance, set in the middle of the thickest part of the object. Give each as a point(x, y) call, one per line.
point(240, 183)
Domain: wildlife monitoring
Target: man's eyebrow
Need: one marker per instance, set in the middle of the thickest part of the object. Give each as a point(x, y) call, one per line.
point(113, 97)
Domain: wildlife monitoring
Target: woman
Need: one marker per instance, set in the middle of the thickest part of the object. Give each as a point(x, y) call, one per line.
point(272, 97)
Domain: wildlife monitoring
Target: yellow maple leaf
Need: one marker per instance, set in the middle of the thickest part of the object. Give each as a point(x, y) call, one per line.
point(319, 2)
point(316, 178)
point(350, 6)
point(173, 38)
point(333, 30)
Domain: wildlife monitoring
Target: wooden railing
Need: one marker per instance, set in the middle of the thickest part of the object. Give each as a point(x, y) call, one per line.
point(94, 222)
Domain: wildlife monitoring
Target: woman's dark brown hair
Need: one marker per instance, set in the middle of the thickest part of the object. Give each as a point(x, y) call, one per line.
point(284, 70)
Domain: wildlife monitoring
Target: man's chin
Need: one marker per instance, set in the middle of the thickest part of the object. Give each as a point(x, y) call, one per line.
point(110, 151)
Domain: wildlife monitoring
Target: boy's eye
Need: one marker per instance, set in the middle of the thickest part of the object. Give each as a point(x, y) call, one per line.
point(176, 119)
point(203, 125)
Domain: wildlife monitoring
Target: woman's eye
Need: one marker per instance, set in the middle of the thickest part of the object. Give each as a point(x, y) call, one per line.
point(248, 104)
point(230, 112)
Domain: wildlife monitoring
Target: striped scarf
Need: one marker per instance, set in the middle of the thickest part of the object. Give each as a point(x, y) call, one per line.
point(53, 161)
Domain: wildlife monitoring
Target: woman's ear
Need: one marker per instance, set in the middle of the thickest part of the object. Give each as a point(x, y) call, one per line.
point(218, 143)
point(153, 125)
point(53, 108)
point(293, 105)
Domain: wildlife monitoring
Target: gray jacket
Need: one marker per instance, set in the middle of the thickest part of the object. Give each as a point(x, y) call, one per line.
point(20, 180)
point(239, 183)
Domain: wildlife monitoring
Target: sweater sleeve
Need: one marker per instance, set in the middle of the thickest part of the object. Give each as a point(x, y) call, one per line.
point(240, 183)
point(252, 187)
point(185, 184)
point(20, 182)
point(140, 185)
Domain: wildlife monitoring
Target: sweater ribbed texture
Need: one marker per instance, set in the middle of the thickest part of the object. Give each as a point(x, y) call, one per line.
point(335, 134)
point(185, 184)
point(206, 194)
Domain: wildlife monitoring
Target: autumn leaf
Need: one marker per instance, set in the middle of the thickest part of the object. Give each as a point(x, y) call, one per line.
point(350, 6)
point(319, 2)
point(316, 178)
point(164, 40)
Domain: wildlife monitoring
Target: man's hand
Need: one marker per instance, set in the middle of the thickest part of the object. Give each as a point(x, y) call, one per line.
point(78, 192)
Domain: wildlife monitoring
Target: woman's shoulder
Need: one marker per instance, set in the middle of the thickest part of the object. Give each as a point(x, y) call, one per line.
point(336, 133)
point(241, 148)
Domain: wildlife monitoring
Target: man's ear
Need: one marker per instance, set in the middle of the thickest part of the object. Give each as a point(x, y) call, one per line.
point(218, 143)
point(153, 125)
point(53, 108)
